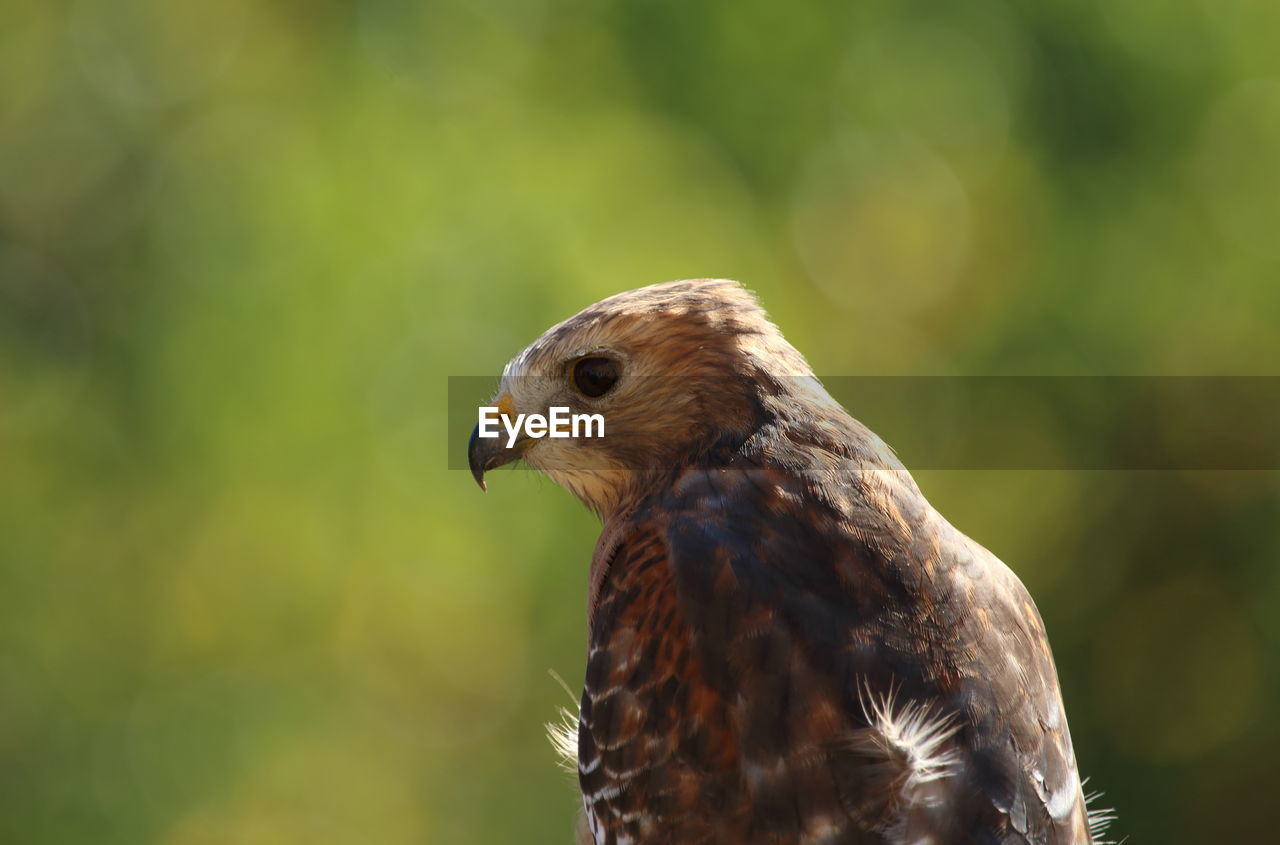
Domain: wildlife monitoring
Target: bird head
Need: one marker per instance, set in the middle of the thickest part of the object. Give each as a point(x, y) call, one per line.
point(676, 371)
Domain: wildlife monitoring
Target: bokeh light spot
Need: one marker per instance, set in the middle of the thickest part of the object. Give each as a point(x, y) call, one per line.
point(881, 219)
point(1178, 669)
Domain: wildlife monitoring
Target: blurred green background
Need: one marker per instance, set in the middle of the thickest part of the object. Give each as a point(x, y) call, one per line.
point(244, 243)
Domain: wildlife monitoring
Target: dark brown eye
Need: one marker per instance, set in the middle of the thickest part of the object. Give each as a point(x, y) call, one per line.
point(594, 377)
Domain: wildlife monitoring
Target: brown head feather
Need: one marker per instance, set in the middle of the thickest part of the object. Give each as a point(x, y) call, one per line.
point(695, 355)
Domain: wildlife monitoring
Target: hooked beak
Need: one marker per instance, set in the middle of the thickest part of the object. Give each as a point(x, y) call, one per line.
point(486, 453)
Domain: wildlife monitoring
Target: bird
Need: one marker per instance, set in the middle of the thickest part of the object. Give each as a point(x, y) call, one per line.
point(786, 642)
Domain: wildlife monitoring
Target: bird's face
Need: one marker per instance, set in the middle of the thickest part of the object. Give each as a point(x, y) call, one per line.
point(592, 384)
point(666, 368)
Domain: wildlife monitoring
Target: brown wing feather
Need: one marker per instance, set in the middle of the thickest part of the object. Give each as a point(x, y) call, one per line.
point(746, 619)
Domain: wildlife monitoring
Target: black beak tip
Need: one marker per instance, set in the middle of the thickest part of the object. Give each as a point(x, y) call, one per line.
point(484, 454)
point(476, 460)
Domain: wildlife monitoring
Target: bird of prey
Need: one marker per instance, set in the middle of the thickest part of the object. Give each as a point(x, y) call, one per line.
point(787, 643)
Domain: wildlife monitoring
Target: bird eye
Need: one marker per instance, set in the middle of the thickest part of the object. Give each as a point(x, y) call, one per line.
point(594, 377)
